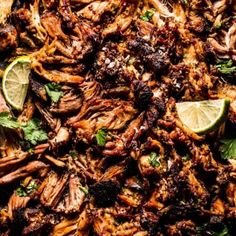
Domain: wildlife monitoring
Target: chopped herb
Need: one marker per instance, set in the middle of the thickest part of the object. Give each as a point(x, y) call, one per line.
point(53, 91)
point(185, 2)
point(31, 187)
point(186, 157)
point(147, 15)
point(101, 137)
point(7, 121)
point(218, 26)
point(23, 191)
point(73, 153)
point(223, 231)
point(84, 189)
point(226, 67)
point(228, 148)
point(33, 133)
point(153, 160)
point(54, 86)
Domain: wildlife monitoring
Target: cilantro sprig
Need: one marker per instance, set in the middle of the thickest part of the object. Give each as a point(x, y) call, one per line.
point(147, 16)
point(23, 191)
point(228, 148)
point(33, 132)
point(7, 121)
point(101, 137)
point(53, 91)
point(225, 67)
point(154, 159)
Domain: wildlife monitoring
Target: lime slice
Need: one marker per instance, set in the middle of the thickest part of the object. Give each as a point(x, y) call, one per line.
point(15, 82)
point(203, 116)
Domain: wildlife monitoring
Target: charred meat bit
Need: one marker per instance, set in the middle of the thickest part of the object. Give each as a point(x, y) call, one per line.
point(98, 148)
point(105, 193)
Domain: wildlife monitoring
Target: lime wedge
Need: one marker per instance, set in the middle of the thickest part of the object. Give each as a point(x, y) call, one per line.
point(203, 116)
point(15, 82)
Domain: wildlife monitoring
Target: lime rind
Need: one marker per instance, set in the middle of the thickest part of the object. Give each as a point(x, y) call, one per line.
point(203, 116)
point(16, 75)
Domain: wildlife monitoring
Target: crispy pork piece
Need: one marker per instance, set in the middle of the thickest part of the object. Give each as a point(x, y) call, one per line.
point(105, 192)
point(53, 188)
point(12, 161)
point(8, 38)
point(118, 161)
point(5, 10)
point(21, 172)
point(15, 203)
point(80, 224)
point(70, 102)
point(72, 201)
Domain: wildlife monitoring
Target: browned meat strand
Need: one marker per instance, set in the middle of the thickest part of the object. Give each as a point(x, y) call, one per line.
point(99, 149)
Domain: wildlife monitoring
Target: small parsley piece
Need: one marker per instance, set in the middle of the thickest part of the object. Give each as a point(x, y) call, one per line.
point(7, 121)
point(53, 91)
point(186, 157)
point(228, 148)
point(21, 192)
point(33, 133)
point(185, 2)
point(73, 153)
point(101, 137)
point(84, 189)
point(226, 67)
point(147, 16)
point(218, 26)
point(153, 160)
point(31, 187)
point(25, 191)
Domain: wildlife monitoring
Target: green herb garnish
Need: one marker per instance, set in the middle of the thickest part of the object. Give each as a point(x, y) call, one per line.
point(226, 67)
point(7, 121)
point(53, 91)
point(218, 26)
point(25, 191)
point(228, 148)
point(101, 137)
point(84, 189)
point(73, 153)
point(147, 16)
point(33, 132)
point(153, 160)
point(220, 232)
point(21, 192)
point(186, 157)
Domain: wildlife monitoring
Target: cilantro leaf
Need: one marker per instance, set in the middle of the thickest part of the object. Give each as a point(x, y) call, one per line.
point(228, 148)
point(186, 157)
point(84, 189)
point(23, 191)
point(153, 160)
point(147, 16)
point(73, 153)
point(7, 121)
point(53, 91)
point(223, 232)
point(31, 187)
point(101, 137)
point(33, 133)
point(226, 67)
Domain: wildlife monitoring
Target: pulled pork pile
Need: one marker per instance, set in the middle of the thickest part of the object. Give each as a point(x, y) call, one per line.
point(104, 152)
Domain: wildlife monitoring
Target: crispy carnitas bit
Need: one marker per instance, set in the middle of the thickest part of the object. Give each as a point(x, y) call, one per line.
point(99, 147)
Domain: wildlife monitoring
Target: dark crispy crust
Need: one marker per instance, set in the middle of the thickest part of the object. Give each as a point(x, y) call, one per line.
point(118, 161)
